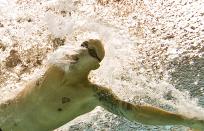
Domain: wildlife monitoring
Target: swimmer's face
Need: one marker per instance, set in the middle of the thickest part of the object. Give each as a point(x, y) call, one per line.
point(95, 49)
point(91, 54)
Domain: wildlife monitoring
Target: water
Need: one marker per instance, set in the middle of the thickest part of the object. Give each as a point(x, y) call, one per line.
point(143, 63)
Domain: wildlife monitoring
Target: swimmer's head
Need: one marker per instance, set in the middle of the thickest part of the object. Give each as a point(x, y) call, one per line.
point(91, 54)
point(95, 48)
point(82, 58)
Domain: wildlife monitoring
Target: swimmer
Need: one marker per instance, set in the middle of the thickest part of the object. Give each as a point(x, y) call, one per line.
point(64, 92)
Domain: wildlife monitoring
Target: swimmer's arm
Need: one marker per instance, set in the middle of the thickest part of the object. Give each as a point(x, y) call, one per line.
point(143, 114)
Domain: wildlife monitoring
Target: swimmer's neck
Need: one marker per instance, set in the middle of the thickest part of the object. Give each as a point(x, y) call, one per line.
point(77, 76)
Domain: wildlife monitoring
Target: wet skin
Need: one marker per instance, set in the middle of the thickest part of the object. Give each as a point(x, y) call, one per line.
point(61, 95)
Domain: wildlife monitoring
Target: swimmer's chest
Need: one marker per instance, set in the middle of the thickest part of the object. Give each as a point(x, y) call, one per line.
point(53, 107)
point(67, 99)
